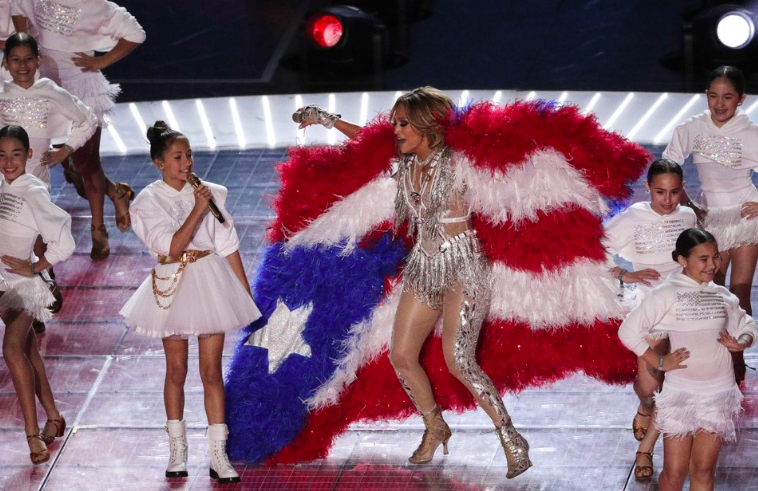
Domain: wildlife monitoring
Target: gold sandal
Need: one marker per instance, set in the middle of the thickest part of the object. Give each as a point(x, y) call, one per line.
point(40, 456)
point(100, 246)
point(639, 430)
point(121, 196)
point(436, 432)
point(643, 472)
point(57, 429)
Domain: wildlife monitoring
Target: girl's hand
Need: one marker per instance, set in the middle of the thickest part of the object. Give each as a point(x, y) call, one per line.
point(52, 158)
point(673, 361)
point(89, 63)
point(203, 196)
point(749, 210)
point(21, 267)
point(644, 276)
point(730, 342)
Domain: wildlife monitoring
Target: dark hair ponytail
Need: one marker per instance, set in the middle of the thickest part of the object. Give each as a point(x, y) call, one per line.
point(21, 39)
point(733, 74)
point(689, 239)
point(161, 136)
point(17, 132)
point(663, 166)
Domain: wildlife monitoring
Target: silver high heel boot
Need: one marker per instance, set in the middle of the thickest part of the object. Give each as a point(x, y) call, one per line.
point(221, 468)
point(515, 446)
point(177, 437)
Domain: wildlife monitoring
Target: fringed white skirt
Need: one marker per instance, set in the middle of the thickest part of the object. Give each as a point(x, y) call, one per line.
point(30, 295)
point(729, 228)
point(209, 299)
point(682, 413)
point(92, 88)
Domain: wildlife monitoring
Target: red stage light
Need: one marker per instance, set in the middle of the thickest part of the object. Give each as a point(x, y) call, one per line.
point(326, 30)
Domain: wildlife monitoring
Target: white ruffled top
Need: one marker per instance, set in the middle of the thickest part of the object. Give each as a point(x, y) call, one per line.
point(693, 314)
point(159, 210)
point(79, 25)
point(724, 156)
point(48, 113)
point(26, 212)
point(646, 239)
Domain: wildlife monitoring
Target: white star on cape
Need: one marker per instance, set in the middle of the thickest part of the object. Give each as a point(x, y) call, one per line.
point(283, 334)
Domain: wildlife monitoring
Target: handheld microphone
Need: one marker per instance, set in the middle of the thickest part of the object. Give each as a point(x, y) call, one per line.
point(195, 183)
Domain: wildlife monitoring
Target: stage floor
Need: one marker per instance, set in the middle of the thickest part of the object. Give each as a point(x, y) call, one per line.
point(108, 383)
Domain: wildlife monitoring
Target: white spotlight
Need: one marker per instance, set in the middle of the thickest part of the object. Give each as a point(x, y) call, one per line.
point(735, 29)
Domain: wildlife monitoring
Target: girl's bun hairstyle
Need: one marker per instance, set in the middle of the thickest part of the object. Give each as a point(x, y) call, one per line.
point(689, 239)
point(17, 132)
point(161, 136)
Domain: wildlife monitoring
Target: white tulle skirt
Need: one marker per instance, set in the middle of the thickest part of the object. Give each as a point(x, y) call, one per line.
point(92, 88)
point(30, 295)
point(209, 299)
point(684, 413)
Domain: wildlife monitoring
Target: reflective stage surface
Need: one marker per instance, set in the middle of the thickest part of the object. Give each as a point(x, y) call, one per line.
point(108, 383)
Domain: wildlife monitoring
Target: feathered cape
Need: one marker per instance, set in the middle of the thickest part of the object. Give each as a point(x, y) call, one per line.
point(538, 177)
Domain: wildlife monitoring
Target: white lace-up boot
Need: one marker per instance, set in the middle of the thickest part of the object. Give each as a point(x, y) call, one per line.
point(221, 469)
point(177, 436)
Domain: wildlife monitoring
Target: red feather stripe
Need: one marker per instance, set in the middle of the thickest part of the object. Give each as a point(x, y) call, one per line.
point(314, 178)
point(500, 137)
point(554, 240)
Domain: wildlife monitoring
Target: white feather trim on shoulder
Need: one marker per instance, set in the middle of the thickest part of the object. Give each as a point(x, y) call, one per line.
point(352, 217)
point(582, 292)
point(543, 182)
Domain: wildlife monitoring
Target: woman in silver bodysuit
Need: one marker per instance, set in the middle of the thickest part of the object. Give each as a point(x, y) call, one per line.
point(446, 274)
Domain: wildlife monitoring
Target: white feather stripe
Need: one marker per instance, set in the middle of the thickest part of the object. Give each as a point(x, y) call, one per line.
point(580, 293)
point(729, 228)
point(366, 341)
point(29, 295)
point(352, 217)
point(682, 413)
point(543, 182)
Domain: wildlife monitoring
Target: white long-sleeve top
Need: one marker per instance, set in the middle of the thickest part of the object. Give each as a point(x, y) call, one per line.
point(724, 156)
point(48, 113)
point(646, 239)
point(79, 25)
point(6, 23)
point(159, 210)
point(693, 314)
point(26, 211)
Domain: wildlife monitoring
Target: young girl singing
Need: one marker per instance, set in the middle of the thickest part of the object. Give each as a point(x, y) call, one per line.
point(198, 288)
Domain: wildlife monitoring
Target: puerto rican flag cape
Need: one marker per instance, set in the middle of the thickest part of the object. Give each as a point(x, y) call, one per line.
point(539, 177)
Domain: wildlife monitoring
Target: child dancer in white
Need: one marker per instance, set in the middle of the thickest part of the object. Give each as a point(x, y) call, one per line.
point(723, 143)
point(49, 113)
point(198, 288)
point(700, 401)
point(645, 234)
point(26, 212)
point(69, 32)
point(6, 29)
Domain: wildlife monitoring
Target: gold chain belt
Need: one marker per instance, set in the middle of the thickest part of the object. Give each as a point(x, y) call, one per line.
point(186, 258)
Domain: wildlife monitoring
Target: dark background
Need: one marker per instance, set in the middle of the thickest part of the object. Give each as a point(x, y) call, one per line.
point(201, 48)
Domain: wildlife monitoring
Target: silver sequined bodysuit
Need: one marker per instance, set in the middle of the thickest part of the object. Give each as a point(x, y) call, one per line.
point(446, 252)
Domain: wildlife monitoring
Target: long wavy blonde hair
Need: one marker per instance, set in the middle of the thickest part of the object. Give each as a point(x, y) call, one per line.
point(424, 107)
